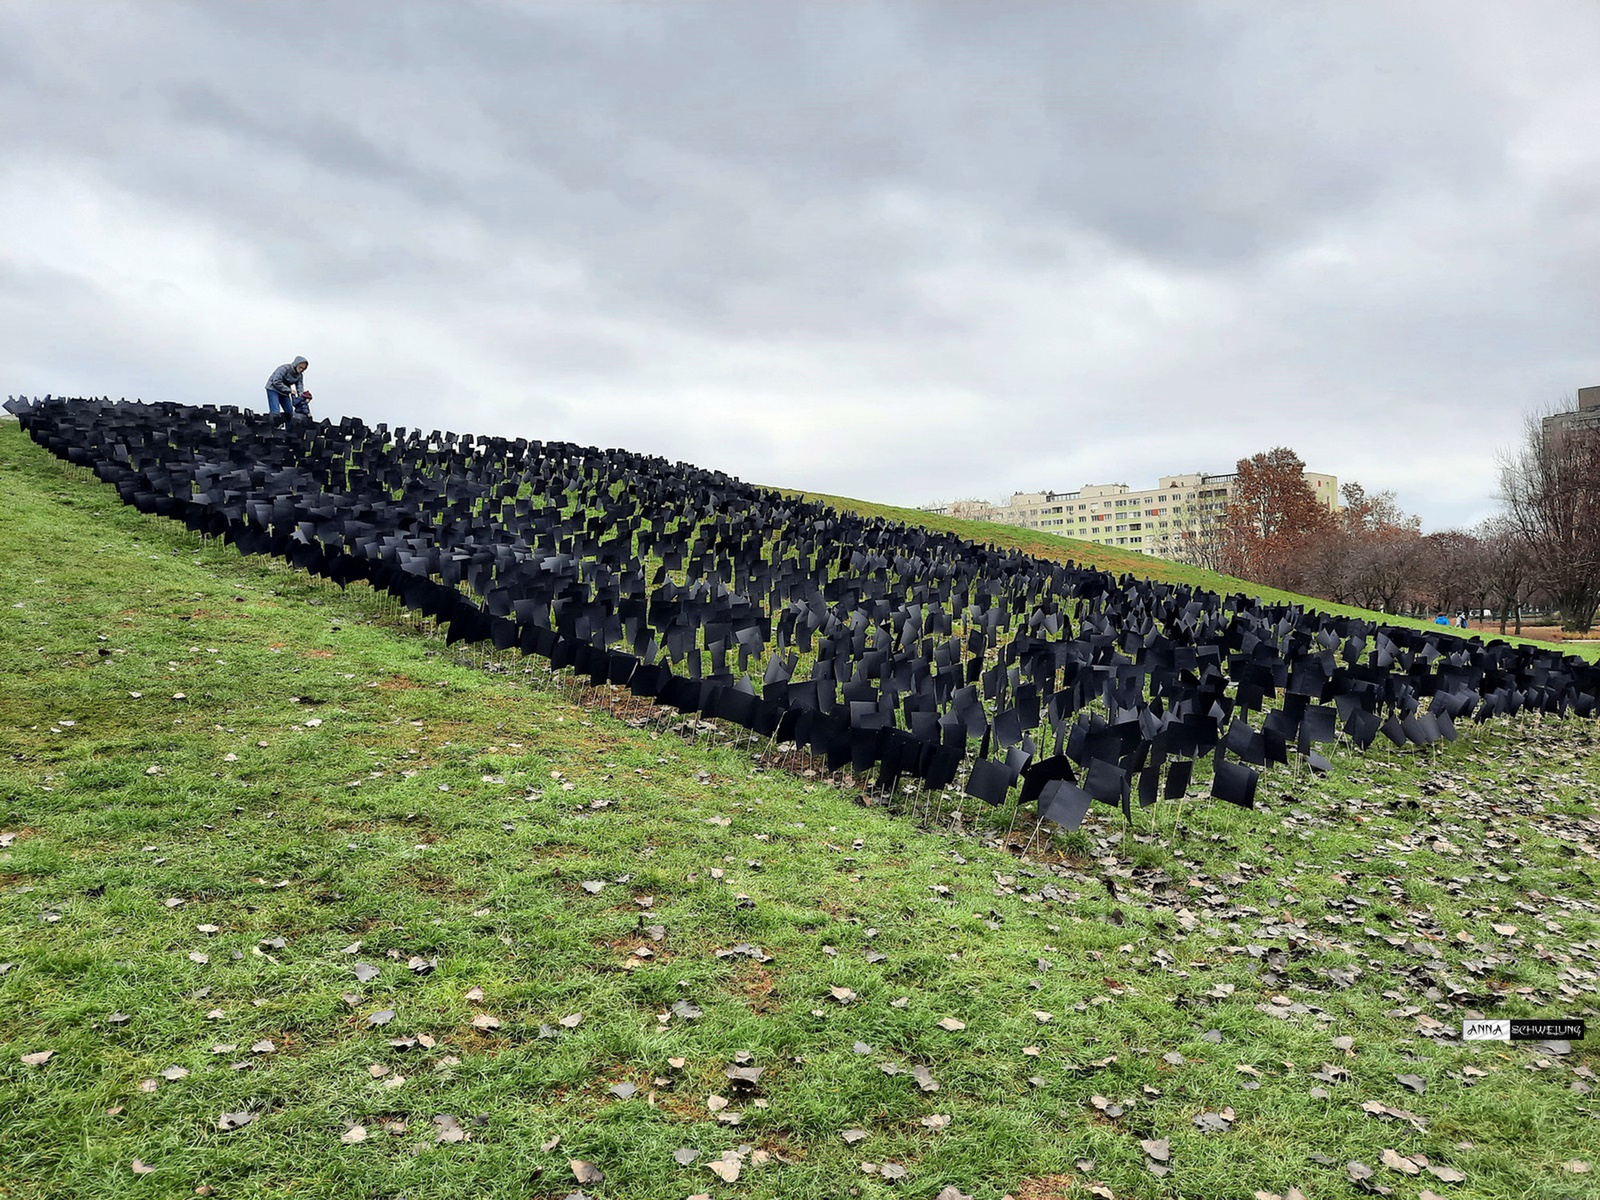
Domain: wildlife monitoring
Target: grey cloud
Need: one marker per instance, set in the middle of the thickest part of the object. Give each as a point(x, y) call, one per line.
point(897, 250)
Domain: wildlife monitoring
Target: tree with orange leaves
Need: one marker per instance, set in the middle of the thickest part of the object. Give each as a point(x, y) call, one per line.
point(1273, 516)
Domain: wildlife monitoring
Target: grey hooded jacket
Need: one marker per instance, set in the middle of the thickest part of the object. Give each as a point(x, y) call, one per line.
point(286, 379)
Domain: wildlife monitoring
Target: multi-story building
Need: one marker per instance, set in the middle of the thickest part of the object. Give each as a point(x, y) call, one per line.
point(1166, 520)
point(1585, 416)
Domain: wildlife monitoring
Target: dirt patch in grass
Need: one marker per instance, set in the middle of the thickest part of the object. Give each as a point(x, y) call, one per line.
point(430, 883)
point(756, 986)
point(1046, 1187)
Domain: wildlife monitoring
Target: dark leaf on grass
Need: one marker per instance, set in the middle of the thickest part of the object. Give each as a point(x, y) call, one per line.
point(234, 1120)
point(365, 972)
point(1159, 1149)
point(1415, 1082)
point(622, 1091)
point(684, 1155)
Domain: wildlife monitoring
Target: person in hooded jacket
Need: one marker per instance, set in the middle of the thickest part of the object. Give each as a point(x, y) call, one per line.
point(284, 386)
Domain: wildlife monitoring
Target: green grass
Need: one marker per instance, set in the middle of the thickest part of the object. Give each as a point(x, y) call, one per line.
point(1143, 566)
point(312, 765)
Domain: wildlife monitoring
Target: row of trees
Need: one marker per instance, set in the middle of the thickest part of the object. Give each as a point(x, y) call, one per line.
point(1542, 551)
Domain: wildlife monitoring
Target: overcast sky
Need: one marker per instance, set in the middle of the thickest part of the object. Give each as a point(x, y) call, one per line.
point(904, 252)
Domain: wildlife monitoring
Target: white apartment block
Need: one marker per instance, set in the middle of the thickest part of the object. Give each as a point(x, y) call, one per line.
point(1154, 520)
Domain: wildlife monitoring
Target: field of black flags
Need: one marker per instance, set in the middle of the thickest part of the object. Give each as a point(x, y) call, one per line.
point(876, 644)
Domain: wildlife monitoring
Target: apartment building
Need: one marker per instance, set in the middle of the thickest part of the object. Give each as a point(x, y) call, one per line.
point(1161, 520)
point(1585, 416)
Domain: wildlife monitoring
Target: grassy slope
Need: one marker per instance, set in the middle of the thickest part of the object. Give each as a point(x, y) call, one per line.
point(1119, 561)
point(444, 809)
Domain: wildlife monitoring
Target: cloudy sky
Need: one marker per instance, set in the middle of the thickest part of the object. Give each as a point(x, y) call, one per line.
point(899, 251)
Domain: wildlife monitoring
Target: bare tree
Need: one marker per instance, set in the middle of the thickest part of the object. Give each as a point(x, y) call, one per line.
point(1383, 572)
point(1508, 575)
point(1551, 488)
point(1449, 571)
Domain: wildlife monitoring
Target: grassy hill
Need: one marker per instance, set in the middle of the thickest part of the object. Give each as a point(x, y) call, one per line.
point(1119, 561)
point(439, 924)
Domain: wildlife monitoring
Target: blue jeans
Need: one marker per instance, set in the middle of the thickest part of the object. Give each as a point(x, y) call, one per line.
point(277, 403)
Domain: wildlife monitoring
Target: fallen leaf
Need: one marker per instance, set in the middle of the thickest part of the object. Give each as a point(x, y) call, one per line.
point(140, 1168)
point(585, 1172)
point(356, 1133)
point(571, 1020)
point(234, 1120)
point(1160, 1149)
point(485, 1021)
point(38, 1059)
point(952, 1025)
point(1396, 1163)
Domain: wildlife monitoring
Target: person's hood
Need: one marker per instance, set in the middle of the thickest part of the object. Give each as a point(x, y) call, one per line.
point(300, 362)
